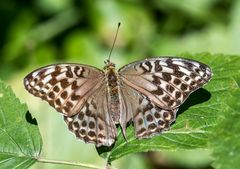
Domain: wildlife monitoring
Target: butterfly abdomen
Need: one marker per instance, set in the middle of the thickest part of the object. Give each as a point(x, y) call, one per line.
point(113, 94)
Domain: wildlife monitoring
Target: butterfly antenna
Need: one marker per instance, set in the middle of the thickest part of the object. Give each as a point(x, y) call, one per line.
point(119, 23)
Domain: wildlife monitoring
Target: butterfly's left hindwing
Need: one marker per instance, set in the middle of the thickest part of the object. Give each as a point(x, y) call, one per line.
point(93, 123)
point(166, 81)
point(65, 87)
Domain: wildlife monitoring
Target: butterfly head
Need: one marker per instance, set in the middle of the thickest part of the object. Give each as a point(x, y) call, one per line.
point(109, 65)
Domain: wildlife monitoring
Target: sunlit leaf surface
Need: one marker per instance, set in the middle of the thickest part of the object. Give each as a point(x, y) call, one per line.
point(196, 118)
point(20, 140)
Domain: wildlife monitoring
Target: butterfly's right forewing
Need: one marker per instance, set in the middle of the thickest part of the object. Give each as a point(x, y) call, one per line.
point(166, 81)
point(65, 87)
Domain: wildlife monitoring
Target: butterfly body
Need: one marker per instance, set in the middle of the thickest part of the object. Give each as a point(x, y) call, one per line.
point(113, 88)
point(146, 92)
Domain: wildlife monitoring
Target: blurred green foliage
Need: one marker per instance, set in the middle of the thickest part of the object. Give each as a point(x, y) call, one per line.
point(39, 32)
point(44, 31)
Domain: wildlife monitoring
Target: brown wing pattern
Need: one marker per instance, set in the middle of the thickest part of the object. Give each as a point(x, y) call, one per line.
point(166, 81)
point(93, 122)
point(148, 118)
point(65, 87)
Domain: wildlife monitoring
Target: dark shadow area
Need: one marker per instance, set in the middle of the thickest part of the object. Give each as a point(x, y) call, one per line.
point(30, 119)
point(199, 96)
point(104, 149)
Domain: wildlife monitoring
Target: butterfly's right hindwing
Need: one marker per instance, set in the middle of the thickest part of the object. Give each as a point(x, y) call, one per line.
point(148, 118)
point(65, 87)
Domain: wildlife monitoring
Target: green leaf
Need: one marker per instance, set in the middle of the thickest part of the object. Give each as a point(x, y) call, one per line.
point(225, 140)
point(196, 118)
point(20, 140)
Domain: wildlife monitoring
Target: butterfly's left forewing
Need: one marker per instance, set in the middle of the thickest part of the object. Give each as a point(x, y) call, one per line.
point(65, 87)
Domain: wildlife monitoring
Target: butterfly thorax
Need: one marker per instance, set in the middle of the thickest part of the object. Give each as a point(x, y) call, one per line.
point(113, 91)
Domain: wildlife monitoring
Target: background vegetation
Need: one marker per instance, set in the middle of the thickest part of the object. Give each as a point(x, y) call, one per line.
point(40, 32)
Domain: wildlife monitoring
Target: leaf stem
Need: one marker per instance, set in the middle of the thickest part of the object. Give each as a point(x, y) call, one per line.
point(41, 160)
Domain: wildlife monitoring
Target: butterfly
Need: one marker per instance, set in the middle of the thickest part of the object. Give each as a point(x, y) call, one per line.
point(146, 93)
